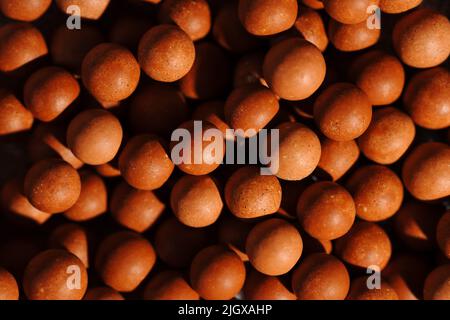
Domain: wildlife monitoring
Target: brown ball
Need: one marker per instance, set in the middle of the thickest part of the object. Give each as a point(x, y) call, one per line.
point(298, 153)
point(157, 108)
point(94, 136)
point(217, 273)
point(337, 157)
point(274, 247)
point(72, 238)
point(389, 135)
point(229, 32)
point(267, 17)
point(135, 209)
point(249, 194)
point(52, 185)
point(102, 293)
point(124, 259)
point(365, 245)
point(377, 191)
point(425, 171)
point(205, 155)
point(28, 10)
point(69, 47)
point(55, 275)
point(166, 53)
point(415, 224)
point(169, 285)
point(294, 69)
point(14, 117)
point(89, 9)
point(183, 245)
point(422, 38)
point(443, 234)
point(259, 286)
point(349, 11)
point(326, 210)
point(427, 97)
point(310, 25)
point(192, 16)
point(380, 75)
point(110, 72)
point(13, 200)
point(437, 284)
point(407, 281)
point(321, 277)
point(352, 37)
point(92, 201)
point(398, 6)
point(196, 201)
point(343, 112)
point(20, 43)
point(49, 91)
point(210, 75)
point(144, 162)
point(250, 108)
point(9, 289)
point(213, 112)
point(360, 291)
